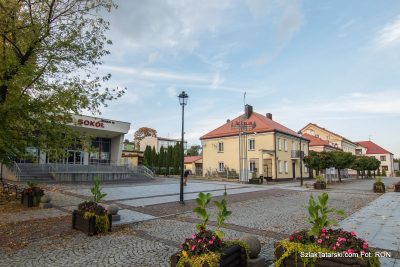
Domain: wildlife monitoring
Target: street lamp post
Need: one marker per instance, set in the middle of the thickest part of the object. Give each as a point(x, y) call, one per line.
point(183, 98)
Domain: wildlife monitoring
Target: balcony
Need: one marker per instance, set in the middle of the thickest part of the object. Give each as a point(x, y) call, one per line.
point(296, 154)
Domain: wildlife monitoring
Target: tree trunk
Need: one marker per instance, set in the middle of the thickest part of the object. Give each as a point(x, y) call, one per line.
point(340, 177)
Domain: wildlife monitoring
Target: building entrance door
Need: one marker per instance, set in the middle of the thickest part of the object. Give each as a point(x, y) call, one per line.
point(267, 168)
point(75, 157)
point(294, 169)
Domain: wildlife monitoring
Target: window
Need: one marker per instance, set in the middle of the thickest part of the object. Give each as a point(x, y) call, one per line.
point(383, 158)
point(252, 144)
point(279, 144)
point(385, 168)
point(358, 151)
point(253, 167)
point(220, 147)
point(285, 144)
point(279, 166)
point(221, 167)
point(286, 167)
point(304, 147)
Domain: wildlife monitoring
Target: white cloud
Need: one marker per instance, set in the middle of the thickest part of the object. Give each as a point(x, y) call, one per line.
point(154, 74)
point(166, 24)
point(286, 13)
point(389, 35)
point(172, 93)
point(258, 61)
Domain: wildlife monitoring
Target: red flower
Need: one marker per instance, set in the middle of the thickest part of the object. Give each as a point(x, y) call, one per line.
point(193, 248)
point(291, 238)
point(365, 246)
point(353, 233)
point(319, 241)
point(299, 237)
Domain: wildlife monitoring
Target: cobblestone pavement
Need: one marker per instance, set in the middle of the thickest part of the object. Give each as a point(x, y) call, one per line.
point(270, 215)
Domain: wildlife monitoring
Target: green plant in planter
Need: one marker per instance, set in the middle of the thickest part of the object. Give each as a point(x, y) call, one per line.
point(35, 191)
point(318, 214)
point(93, 208)
point(206, 246)
point(379, 186)
point(96, 191)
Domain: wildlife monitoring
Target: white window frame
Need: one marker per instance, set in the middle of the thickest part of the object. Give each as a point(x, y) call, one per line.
point(279, 166)
point(221, 164)
point(285, 146)
point(384, 158)
point(252, 141)
point(279, 144)
point(220, 145)
point(286, 165)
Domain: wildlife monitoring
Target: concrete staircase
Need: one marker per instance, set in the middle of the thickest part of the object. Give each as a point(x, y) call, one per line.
point(36, 173)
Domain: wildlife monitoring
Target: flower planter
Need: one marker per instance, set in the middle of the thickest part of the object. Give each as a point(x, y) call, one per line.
point(292, 260)
point(256, 181)
point(397, 187)
point(233, 256)
point(319, 185)
point(379, 188)
point(88, 226)
point(30, 200)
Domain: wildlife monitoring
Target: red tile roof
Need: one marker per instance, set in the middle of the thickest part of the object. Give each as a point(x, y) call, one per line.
point(192, 159)
point(316, 141)
point(373, 148)
point(263, 124)
point(322, 128)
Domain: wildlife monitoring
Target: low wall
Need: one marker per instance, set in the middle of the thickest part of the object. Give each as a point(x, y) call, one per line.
point(89, 177)
point(8, 174)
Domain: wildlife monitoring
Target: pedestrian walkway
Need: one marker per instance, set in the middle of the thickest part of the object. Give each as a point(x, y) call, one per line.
point(379, 224)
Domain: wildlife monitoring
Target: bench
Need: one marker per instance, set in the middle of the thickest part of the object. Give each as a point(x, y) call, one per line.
point(8, 187)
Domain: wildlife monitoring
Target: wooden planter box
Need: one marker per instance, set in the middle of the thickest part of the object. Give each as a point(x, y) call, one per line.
point(319, 185)
point(234, 256)
point(380, 188)
point(397, 187)
point(292, 261)
point(88, 226)
point(27, 199)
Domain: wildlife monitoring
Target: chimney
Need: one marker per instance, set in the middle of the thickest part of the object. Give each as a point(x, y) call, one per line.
point(248, 110)
point(228, 121)
point(269, 116)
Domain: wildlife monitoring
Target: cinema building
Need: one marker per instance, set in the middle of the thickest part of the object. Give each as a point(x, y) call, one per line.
point(107, 143)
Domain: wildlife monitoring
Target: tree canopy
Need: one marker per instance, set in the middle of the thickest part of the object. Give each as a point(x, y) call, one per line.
point(49, 53)
point(142, 133)
point(193, 151)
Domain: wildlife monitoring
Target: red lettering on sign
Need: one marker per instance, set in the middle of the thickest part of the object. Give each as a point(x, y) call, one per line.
point(96, 124)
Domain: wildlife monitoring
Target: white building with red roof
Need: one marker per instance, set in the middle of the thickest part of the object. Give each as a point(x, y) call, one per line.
point(194, 164)
point(263, 148)
point(369, 148)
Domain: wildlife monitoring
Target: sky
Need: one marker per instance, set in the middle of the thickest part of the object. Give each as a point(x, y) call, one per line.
point(333, 63)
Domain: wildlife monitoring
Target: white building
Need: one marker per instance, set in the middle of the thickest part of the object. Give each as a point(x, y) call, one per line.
point(158, 142)
point(369, 148)
point(107, 143)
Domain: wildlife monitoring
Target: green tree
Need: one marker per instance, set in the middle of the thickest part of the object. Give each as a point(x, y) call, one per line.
point(161, 161)
point(169, 158)
point(147, 157)
point(43, 44)
point(154, 157)
point(177, 158)
point(342, 160)
point(312, 162)
point(193, 151)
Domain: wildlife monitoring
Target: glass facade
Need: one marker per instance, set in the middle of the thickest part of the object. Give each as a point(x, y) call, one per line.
point(101, 151)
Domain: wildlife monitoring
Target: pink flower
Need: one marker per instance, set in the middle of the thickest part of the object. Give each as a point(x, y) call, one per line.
point(319, 241)
point(334, 248)
point(323, 234)
point(350, 251)
point(365, 246)
point(193, 248)
point(323, 230)
point(198, 240)
point(353, 233)
point(338, 244)
point(327, 237)
point(193, 236)
point(211, 242)
point(362, 252)
point(299, 237)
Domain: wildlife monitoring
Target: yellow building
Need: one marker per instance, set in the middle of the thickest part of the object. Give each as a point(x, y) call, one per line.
point(131, 156)
point(194, 164)
point(272, 150)
point(334, 139)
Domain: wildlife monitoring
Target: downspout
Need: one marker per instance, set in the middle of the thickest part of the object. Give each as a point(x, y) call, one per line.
point(301, 166)
point(276, 162)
